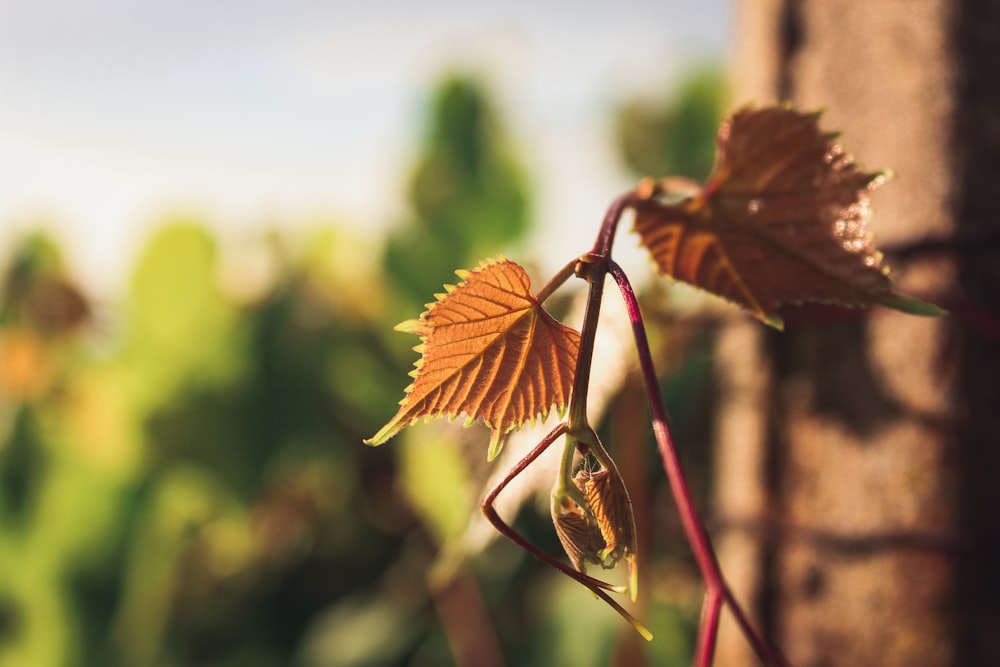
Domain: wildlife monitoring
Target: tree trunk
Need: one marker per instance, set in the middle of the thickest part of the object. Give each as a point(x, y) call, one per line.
point(867, 533)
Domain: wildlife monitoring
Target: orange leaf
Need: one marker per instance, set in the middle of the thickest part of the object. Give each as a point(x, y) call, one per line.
point(782, 219)
point(491, 352)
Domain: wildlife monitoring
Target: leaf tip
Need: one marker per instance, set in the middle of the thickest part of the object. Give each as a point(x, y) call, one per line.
point(386, 432)
point(879, 178)
point(634, 622)
point(773, 320)
point(409, 326)
point(496, 444)
point(910, 305)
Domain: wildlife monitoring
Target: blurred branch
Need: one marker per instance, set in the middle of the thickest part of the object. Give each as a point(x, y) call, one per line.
point(466, 621)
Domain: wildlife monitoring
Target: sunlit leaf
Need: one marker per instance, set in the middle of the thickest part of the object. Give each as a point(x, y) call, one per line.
point(783, 219)
point(491, 352)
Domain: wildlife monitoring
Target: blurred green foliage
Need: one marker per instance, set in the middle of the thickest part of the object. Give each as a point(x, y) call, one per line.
point(182, 479)
point(675, 136)
point(468, 196)
point(181, 495)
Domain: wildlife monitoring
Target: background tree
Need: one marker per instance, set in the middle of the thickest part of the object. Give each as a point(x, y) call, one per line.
point(857, 453)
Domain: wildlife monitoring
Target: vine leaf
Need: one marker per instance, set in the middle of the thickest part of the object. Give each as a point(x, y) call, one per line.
point(489, 351)
point(782, 219)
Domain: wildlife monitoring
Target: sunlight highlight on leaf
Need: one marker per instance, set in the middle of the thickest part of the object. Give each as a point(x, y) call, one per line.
point(489, 351)
point(783, 219)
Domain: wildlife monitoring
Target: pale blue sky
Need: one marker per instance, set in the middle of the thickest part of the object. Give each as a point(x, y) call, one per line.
point(114, 113)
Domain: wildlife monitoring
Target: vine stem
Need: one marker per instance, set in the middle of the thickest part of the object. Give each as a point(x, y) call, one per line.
point(594, 268)
point(717, 591)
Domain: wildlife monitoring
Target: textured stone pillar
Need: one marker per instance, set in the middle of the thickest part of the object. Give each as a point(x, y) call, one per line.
point(868, 531)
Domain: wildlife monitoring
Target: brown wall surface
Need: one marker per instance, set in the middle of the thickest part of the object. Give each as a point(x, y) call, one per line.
point(858, 457)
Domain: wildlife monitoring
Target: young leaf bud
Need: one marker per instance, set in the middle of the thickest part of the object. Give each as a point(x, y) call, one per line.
point(603, 531)
point(610, 505)
point(578, 532)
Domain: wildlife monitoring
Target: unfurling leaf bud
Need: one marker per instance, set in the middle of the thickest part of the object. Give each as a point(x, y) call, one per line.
point(602, 532)
point(579, 534)
point(612, 509)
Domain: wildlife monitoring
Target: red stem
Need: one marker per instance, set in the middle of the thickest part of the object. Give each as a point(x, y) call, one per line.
point(708, 628)
point(693, 526)
point(594, 266)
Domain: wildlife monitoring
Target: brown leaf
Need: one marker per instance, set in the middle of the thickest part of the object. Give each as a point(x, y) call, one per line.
point(783, 219)
point(491, 352)
point(612, 509)
point(581, 538)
